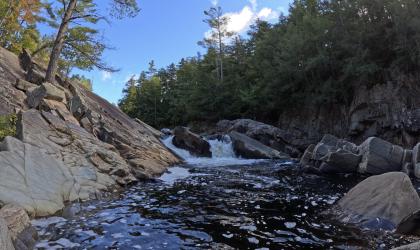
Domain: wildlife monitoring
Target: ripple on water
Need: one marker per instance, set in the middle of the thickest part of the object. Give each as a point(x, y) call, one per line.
point(268, 205)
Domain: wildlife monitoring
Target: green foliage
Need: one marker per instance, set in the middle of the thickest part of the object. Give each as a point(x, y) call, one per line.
point(17, 24)
point(7, 125)
point(319, 54)
point(82, 81)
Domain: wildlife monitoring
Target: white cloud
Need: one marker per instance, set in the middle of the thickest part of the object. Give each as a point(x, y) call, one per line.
point(106, 75)
point(215, 2)
point(267, 14)
point(240, 21)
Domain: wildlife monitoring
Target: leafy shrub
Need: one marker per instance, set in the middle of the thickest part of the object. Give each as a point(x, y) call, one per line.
point(7, 125)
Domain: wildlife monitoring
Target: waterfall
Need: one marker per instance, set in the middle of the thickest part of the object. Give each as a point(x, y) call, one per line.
point(222, 153)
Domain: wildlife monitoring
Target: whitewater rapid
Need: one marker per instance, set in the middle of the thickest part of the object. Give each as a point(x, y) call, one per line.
point(222, 154)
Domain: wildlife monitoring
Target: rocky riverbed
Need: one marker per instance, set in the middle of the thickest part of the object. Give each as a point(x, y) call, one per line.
point(263, 205)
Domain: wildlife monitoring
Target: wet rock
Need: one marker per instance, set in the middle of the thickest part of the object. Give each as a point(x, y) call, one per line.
point(307, 155)
point(390, 196)
point(412, 246)
point(5, 239)
point(333, 155)
point(249, 148)
point(23, 235)
point(166, 131)
point(410, 225)
point(268, 135)
point(379, 156)
point(16, 217)
point(185, 139)
point(340, 161)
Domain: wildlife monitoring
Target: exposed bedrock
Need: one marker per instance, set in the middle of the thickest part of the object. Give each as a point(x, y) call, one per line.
point(390, 111)
point(71, 144)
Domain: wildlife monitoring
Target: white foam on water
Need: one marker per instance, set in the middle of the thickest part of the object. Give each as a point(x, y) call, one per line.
point(222, 154)
point(45, 222)
point(173, 174)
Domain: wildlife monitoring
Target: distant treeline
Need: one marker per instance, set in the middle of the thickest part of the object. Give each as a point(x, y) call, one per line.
point(319, 53)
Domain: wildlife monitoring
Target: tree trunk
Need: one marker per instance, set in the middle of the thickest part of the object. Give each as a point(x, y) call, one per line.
point(59, 42)
point(219, 31)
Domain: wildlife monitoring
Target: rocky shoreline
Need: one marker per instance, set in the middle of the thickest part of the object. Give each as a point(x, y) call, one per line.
point(70, 145)
point(386, 200)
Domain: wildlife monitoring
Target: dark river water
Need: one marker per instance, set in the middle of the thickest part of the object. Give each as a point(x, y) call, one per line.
point(265, 205)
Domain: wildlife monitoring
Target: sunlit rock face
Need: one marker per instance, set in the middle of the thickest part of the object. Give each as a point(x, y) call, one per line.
point(71, 144)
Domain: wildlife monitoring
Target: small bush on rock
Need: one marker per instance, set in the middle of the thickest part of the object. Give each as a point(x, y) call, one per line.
point(7, 125)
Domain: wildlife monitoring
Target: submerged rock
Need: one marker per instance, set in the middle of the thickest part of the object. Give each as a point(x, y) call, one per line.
point(249, 148)
point(390, 196)
point(185, 139)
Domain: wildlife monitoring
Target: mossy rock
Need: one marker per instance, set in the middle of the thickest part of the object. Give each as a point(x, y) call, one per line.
point(7, 125)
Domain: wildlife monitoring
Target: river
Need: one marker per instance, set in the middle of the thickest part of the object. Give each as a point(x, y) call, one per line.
point(217, 203)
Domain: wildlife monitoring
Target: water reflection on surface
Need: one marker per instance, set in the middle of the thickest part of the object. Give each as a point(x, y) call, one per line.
point(267, 205)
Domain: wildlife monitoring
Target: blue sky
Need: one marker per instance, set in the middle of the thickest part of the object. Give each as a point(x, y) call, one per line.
point(166, 31)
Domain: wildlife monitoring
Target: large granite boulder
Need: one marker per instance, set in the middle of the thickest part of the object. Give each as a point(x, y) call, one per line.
point(379, 156)
point(331, 155)
point(340, 161)
point(390, 197)
point(185, 139)
point(266, 134)
point(249, 148)
point(5, 239)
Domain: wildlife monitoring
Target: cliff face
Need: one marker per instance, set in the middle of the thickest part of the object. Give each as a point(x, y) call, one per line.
point(70, 143)
point(390, 111)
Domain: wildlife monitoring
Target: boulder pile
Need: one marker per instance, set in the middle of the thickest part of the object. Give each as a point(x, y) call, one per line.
point(374, 156)
point(271, 136)
point(249, 148)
